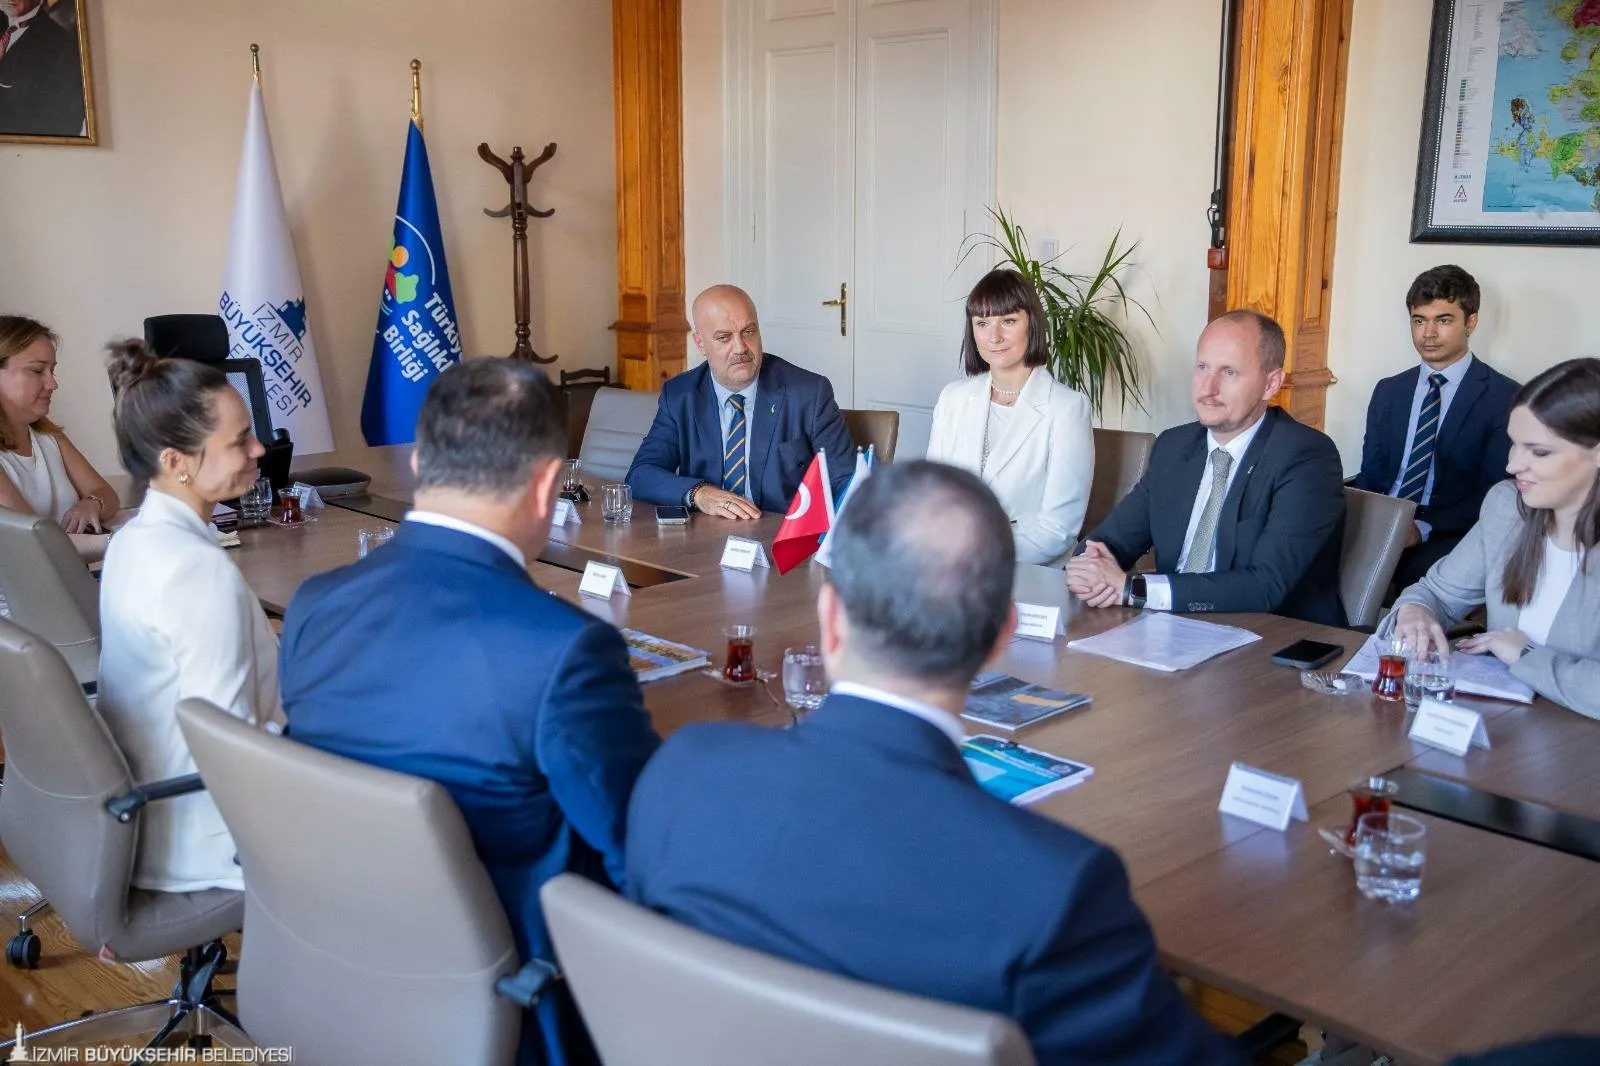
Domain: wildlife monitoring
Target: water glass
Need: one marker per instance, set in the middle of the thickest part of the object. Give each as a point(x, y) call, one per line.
point(1391, 851)
point(376, 537)
point(740, 666)
point(805, 683)
point(255, 506)
point(616, 503)
point(1429, 677)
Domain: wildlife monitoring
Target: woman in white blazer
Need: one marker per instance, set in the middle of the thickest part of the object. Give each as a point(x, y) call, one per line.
point(1028, 436)
point(177, 619)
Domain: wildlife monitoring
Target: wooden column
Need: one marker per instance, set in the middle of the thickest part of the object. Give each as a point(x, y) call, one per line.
point(1283, 189)
point(650, 326)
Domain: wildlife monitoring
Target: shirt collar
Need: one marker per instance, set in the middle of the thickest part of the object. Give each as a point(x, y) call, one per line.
point(444, 521)
point(941, 720)
point(162, 507)
point(1452, 373)
point(1239, 444)
point(748, 392)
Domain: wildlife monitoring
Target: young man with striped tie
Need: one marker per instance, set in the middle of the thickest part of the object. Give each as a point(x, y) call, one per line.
point(1436, 433)
point(734, 436)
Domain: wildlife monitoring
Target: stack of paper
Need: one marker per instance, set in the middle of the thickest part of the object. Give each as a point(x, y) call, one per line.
point(1477, 675)
point(1165, 641)
point(653, 658)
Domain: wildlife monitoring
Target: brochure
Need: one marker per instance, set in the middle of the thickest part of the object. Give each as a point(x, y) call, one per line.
point(653, 658)
point(1009, 703)
point(1017, 774)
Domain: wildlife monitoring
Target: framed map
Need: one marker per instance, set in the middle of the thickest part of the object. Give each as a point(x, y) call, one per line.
point(1511, 124)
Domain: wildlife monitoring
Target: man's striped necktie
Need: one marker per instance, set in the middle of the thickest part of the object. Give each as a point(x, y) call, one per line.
point(733, 464)
point(1421, 460)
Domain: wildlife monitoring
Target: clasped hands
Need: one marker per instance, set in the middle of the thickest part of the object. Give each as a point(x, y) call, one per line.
point(1095, 577)
point(1417, 626)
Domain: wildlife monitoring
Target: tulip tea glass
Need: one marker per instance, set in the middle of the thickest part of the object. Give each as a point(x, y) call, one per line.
point(740, 666)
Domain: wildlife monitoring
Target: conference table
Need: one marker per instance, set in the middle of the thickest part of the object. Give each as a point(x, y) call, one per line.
point(1500, 947)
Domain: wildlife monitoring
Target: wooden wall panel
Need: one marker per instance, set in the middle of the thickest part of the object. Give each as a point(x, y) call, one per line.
point(1283, 194)
point(652, 332)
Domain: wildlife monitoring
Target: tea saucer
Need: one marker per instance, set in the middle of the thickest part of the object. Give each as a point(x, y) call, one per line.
point(1335, 840)
point(306, 518)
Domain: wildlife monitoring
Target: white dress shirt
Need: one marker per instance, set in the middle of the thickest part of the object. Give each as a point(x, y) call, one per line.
point(1157, 587)
point(178, 621)
point(444, 521)
point(942, 720)
point(1453, 375)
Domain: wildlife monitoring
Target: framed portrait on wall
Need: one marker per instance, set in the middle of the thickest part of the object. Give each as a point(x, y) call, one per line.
point(1510, 149)
point(46, 90)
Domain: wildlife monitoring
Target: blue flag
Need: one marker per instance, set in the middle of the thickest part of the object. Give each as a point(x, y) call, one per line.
point(417, 338)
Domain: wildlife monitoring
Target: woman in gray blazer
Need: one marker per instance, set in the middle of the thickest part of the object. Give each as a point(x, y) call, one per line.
point(1530, 557)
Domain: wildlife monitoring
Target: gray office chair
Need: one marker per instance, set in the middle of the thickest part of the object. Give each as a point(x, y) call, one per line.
point(1375, 528)
point(881, 429)
point(1120, 459)
point(49, 591)
point(69, 820)
point(372, 932)
point(618, 421)
point(657, 993)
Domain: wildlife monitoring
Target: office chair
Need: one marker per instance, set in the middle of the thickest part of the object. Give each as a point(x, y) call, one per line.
point(49, 590)
point(1120, 460)
point(577, 391)
point(881, 429)
point(203, 338)
point(618, 421)
point(657, 993)
point(70, 823)
point(364, 900)
point(1375, 529)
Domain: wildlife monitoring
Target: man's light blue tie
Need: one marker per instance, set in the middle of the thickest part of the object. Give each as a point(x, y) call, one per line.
point(733, 465)
point(1421, 460)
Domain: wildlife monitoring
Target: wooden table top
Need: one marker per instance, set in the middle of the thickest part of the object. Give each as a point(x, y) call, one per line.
point(1498, 948)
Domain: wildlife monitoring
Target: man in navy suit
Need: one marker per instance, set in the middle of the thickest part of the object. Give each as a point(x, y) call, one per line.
point(438, 656)
point(734, 436)
point(41, 74)
point(1244, 508)
point(1437, 433)
point(858, 842)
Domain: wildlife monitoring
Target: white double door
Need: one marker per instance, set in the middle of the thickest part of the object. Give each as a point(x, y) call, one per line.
point(861, 153)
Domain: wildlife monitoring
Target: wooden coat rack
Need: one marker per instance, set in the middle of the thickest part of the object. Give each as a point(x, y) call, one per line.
point(516, 173)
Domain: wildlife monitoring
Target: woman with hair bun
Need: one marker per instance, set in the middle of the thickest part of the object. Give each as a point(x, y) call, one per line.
point(41, 471)
point(177, 619)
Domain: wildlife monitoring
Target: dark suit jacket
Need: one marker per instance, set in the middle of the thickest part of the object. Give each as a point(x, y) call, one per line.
point(438, 656)
point(1469, 456)
point(41, 81)
point(1281, 531)
point(859, 843)
point(1551, 1051)
point(794, 417)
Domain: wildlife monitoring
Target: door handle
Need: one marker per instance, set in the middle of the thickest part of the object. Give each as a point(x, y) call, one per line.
point(841, 303)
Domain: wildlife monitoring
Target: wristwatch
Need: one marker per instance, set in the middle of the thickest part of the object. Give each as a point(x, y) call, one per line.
point(1133, 591)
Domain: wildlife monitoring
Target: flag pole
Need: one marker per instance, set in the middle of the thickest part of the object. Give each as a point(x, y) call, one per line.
point(255, 62)
point(416, 93)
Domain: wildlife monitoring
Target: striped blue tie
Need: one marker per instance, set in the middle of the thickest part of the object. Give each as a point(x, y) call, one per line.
point(1421, 461)
point(733, 465)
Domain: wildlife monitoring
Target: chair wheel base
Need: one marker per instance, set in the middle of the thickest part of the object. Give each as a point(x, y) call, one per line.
point(22, 950)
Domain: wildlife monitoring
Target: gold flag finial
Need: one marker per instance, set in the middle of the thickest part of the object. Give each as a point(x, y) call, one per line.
point(255, 61)
point(416, 93)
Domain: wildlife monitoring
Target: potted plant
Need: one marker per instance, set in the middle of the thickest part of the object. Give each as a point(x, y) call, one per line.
point(1088, 348)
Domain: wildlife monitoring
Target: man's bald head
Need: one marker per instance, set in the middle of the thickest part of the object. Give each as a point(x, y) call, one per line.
point(728, 335)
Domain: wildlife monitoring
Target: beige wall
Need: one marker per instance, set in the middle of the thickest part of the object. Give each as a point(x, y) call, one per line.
point(94, 239)
point(1106, 114)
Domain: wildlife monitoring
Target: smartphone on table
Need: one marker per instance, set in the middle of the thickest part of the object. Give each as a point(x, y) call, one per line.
point(1307, 654)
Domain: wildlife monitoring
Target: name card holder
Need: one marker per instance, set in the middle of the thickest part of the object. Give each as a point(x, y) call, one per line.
point(566, 514)
point(308, 495)
point(1448, 728)
point(603, 581)
point(1263, 798)
point(742, 553)
point(1036, 621)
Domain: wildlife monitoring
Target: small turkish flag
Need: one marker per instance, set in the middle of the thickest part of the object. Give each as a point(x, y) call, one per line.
point(810, 516)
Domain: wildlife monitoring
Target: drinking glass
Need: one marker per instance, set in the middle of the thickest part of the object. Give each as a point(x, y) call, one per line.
point(1391, 852)
point(255, 506)
point(1367, 795)
point(289, 508)
point(616, 503)
point(1429, 677)
point(1390, 683)
point(572, 482)
point(375, 537)
point(805, 683)
point(740, 667)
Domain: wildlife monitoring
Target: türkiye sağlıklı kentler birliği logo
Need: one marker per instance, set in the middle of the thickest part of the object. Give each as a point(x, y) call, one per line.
point(419, 337)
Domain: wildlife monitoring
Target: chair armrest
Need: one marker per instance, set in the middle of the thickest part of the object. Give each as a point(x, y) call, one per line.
point(125, 806)
point(526, 985)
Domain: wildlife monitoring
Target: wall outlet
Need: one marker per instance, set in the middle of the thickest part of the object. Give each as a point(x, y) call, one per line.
point(1049, 248)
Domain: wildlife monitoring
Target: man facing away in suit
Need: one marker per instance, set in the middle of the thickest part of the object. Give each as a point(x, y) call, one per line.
point(1244, 508)
point(438, 656)
point(734, 436)
point(1436, 433)
point(859, 843)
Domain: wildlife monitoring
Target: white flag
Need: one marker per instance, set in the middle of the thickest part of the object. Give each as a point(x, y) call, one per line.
point(262, 301)
point(865, 461)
